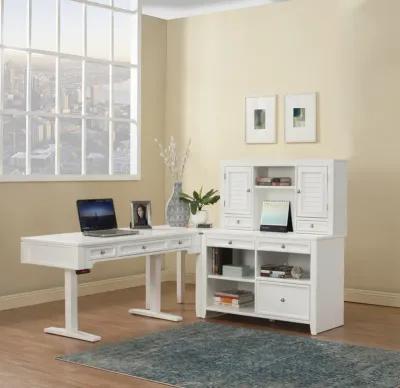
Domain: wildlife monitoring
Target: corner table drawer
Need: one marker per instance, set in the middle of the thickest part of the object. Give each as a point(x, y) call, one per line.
point(142, 248)
point(288, 301)
point(230, 242)
point(100, 253)
point(284, 246)
point(182, 243)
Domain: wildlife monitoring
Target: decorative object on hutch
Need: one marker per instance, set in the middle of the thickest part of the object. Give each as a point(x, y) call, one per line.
point(197, 202)
point(177, 212)
point(301, 118)
point(260, 119)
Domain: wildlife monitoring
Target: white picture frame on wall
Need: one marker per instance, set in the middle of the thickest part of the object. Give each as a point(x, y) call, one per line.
point(301, 118)
point(261, 120)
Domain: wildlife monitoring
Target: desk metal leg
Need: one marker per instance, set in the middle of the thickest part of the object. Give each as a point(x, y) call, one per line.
point(148, 281)
point(71, 312)
point(154, 292)
point(180, 276)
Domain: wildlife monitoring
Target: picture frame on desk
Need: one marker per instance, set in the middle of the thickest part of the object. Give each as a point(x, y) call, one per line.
point(276, 216)
point(141, 215)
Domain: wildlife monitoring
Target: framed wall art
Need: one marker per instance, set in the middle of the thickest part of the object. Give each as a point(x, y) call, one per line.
point(261, 120)
point(301, 118)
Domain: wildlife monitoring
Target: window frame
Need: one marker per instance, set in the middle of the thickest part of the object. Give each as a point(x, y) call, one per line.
point(135, 125)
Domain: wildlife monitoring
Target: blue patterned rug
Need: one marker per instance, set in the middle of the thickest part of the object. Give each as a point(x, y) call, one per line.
point(216, 355)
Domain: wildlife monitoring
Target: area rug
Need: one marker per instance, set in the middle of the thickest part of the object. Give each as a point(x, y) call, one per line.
point(217, 355)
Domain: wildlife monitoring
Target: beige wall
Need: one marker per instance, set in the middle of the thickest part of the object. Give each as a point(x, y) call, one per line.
point(40, 208)
point(346, 50)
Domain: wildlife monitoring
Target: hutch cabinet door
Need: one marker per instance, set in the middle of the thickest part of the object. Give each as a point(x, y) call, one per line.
point(238, 190)
point(312, 192)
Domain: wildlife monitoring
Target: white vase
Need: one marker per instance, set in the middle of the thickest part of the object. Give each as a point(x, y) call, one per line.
point(201, 217)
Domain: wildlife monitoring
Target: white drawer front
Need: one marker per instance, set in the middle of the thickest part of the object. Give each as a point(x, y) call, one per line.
point(230, 242)
point(102, 253)
point(142, 248)
point(304, 226)
point(284, 246)
point(235, 222)
point(182, 243)
point(290, 301)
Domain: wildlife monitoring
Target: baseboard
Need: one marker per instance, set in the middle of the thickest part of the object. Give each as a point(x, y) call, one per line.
point(372, 297)
point(14, 301)
point(9, 302)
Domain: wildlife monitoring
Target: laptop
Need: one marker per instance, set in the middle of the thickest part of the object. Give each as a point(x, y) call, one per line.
point(97, 218)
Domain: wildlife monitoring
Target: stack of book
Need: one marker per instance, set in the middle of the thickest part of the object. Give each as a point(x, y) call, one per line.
point(233, 298)
point(281, 181)
point(263, 181)
point(278, 181)
point(276, 271)
point(220, 257)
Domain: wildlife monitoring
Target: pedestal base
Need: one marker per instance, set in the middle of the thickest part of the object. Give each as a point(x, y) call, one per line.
point(80, 335)
point(154, 314)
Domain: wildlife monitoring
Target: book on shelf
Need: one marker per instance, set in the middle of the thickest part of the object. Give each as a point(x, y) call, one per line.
point(220, 257)
point(220, 299)
point(276, 271)
point(233, 293)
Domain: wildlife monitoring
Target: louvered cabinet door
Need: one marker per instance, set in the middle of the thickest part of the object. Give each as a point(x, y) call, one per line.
point(312, 192)
point(238, 190)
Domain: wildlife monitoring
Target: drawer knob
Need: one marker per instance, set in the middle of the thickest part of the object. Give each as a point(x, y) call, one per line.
point(102, 252)
point(312, 226)
point(180, 242)
point(238, 221)
point(249, 190)
point(298, 191)
point(283, 300)
point(144, 247)
point(283, 246)
point(230, 242)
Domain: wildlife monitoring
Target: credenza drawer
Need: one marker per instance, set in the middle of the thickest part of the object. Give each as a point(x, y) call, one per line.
point(142, 248)
point(181, 243)
point(284, 246)
point(238, 222)
point(279, 300)
point(230, 242)
point(100, 253)
point(305, 226)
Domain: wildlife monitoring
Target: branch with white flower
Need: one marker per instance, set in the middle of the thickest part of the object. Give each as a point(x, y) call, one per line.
point(175, 162)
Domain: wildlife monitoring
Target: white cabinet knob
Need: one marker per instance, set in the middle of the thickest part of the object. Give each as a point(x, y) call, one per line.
point(102, 252)
point(249, 190)
point(283, 246)
point(230, 242)
point(283, 300)
point(144, 247)
point(312, 226)
point(298, 191)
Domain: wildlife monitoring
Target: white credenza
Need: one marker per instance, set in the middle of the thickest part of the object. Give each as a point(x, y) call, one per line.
point(318, 197)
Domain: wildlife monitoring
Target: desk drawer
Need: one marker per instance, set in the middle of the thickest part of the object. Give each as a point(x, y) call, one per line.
point(284, 246)
point(181, 243)
point(279, 300)
point(237, 222)
point(318, 227)
point(142, 248)
point(230, 242)
point(100, 253)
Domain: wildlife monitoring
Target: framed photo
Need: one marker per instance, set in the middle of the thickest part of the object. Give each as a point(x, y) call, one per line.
point(141, 215)
point(261, 120)
point(301, 118)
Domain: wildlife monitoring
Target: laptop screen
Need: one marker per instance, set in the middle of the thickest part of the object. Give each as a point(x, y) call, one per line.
point(96, 214)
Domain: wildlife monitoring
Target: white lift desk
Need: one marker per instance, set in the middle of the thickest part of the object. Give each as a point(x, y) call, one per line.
point(73, 252)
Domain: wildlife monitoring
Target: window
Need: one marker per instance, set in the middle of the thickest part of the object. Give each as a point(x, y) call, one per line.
point(69, 90)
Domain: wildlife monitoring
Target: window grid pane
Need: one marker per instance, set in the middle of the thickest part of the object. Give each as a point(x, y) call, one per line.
point(90, 130)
